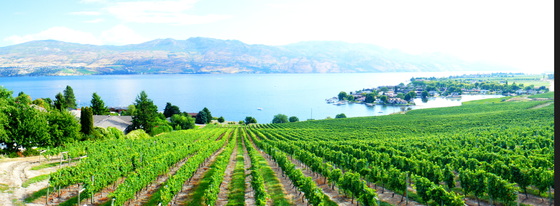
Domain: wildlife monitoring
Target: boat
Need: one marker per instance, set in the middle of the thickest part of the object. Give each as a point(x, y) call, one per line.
point(259, 108)
point(369, 104)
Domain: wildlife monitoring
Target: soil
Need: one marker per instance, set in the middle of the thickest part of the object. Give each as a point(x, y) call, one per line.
point(146, 193)
point(15, 171)
point(224, 187)
point(249, 192)
point(290, 191)
point(190, 186)
point(334, 194)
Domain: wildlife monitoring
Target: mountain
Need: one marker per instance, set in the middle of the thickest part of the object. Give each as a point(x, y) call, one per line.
point(207, 55)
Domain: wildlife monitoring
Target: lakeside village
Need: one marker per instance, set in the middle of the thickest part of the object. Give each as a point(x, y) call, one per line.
point(424, 87)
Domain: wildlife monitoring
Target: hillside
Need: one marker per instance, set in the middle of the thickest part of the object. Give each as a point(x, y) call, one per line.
point(207, 55)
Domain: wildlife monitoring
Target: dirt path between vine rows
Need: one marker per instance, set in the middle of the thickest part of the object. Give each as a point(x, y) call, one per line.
point(249, 192)
point(290, 191)
point(224, 186)
point(15, 171)
point(334, 195)
point(190, 186)
point(144, 195)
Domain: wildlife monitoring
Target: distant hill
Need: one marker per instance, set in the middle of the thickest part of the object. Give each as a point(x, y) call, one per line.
point(206, 55)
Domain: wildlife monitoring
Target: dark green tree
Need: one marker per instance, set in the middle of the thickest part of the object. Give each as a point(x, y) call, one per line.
point(370, 98)
point(69, 97)
point(201, 117)
point(146, 114)
point(384, 99)
point(249, 120)
point(293, 119)
point(280, 118)
point(341, 115)
point(170, 110)
point(86, 120)
point(342, 95)
point(424, 94)
point(221, 119)
point(59, 102)
point(98, 106)
point(208, 115)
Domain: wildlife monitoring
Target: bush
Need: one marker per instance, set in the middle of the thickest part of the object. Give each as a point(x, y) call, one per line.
point(30, 152)
point(137, 134)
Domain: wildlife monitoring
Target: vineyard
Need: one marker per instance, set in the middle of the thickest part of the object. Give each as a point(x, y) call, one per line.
point(487, 152)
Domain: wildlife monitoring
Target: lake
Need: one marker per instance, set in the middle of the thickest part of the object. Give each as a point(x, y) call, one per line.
point(233, 96)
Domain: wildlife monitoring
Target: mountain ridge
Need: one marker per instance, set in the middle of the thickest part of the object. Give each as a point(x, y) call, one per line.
point(208, 55)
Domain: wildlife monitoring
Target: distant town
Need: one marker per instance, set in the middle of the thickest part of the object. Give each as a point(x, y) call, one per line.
point(507, 84)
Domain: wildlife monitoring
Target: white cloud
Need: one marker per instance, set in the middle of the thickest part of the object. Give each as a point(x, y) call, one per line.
point(117, 35)
point(121, 35)
point(94, 21)
point(171, 12)
point(57, 33)
point(86, 13)
point(93, 1)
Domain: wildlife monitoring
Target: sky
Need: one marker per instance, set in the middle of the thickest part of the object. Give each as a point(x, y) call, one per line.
point(517, 33)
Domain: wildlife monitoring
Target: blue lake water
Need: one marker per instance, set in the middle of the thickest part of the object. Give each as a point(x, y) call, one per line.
point(233, 96)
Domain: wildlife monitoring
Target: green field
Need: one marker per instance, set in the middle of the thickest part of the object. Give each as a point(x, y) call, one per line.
point(488, 149)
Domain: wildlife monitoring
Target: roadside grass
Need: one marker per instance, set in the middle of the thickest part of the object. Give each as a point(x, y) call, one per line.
point(155, 198)
point(4, 188)
point(37, 195)
point(45, 165)
point(71, 202)
point(237, 185)
point(272, 184)
point(35, 179)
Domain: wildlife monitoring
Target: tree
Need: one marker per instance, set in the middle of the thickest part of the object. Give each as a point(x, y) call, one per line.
point(23, 98)
point(179, 121)
point(221, 119)
point(59, 102)
point(410, 95)
point(370, 98)
point(249, 120)
point(63, 128)
point(293, 119)
point(86, 120)
point(280, 118)
point(384, 99)
point(201, 117)
point(341, 115)
point(170, 110)
point(424, 94)
point(146, 113)
point(26, 127)
point(98, 106)
point(69, 97)
point(342, 95)
point(208, 115)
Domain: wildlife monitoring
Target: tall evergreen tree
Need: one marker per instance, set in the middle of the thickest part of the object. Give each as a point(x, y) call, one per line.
point(69, 97)
point(86, 119)
point(59, 102)
point(201, 117)
point(146, 113)
point(98, 106)
point(208, 115)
